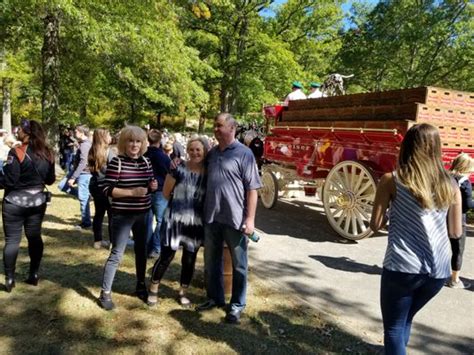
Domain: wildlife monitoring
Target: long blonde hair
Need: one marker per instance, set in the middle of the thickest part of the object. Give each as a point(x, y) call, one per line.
point(421, 169)
point(463, 164)
point(97, 157)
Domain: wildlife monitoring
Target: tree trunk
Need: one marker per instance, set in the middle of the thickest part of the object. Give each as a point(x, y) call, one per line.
point(158, 119)
point(6, 107)
point(202, 122)
point(224, 97)
point(50, 71)
point(184, 123)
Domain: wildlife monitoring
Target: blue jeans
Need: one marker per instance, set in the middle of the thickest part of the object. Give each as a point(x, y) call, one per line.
point(215, 235)
point(401, 297)
point(122, 224)
point(82, 194)
point(84, 197)
point(158, 205)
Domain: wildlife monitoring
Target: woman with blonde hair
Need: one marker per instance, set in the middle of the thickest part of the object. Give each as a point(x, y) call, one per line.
point(419, 196)
point(461, 168)
point(182, 225)
point(99, 156)
point(129, 182)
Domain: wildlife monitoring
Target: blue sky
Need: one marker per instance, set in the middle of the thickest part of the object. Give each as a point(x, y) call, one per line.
point(346, 7)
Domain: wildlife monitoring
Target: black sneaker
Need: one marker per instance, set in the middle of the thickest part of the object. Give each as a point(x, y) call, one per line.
point(209, 304)
point(105, 301)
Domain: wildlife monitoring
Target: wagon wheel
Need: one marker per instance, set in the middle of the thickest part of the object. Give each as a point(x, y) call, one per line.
point(269, 190)
point(349, 192)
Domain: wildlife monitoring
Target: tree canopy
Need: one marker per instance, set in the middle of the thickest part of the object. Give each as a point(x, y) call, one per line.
point(110, 62)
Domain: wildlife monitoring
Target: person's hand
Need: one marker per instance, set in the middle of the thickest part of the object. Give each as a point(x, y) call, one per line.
point(139, 191)
point(71, 182)
point(153, 185)
point(249, 226)
point(175, 163)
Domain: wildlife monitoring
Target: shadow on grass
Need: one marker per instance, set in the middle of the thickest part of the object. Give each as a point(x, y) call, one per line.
point(273, 333)
point(35, 327)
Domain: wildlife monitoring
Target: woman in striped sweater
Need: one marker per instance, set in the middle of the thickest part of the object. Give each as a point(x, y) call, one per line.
point(128, 181)
point(421, 195)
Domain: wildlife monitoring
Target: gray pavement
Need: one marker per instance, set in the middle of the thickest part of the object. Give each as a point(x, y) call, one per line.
point(299, 252)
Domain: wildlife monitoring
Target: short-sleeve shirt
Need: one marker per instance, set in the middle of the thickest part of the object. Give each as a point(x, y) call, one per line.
point(231, 174)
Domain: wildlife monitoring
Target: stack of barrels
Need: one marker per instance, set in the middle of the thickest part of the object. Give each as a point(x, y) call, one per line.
point(449, 110)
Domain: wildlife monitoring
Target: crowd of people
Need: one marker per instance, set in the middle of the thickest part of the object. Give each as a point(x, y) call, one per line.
point(206, 194)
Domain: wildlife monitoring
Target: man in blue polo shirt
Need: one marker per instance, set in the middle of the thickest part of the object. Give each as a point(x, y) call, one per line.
point(229, 215)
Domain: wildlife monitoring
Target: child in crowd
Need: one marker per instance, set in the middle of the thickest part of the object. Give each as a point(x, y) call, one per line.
point(462, 167)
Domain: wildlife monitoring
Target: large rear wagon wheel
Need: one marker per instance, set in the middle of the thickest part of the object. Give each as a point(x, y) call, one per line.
point(269, 190)
point(349, 192)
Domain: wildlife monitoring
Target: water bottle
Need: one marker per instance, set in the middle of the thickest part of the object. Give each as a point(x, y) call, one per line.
point(254, 237)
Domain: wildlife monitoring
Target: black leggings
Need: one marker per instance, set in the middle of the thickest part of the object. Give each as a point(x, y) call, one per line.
point(102, 205)
point(188, 260)
point(457, 246)
point(14, 219)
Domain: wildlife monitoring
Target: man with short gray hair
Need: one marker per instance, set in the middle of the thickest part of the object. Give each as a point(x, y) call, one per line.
point(229, 215)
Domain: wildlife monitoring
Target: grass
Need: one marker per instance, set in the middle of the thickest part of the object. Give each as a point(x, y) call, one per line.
point(61, 315)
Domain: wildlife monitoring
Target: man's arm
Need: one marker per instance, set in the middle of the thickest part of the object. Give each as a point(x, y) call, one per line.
point(84, 148)
point(252, 197)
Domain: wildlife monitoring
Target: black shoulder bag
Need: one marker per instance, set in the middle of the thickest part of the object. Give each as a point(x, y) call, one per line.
point(32, 197)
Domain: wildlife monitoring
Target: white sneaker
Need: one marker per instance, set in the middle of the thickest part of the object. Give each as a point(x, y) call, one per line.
point(459, 284)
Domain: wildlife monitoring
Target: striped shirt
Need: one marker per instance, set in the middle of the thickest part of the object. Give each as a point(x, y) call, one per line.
point(128, 174)
point(418, 240)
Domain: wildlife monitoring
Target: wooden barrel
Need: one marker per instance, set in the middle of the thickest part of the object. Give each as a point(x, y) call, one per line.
point(227, 261)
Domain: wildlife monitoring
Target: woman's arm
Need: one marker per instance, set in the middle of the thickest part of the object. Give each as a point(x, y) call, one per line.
point(11, 170)
point(455, 215)
point(51, 176)
point(383, 196)
point(168, 186)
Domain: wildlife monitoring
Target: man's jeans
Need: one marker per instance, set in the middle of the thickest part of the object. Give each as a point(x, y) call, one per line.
point(401, 297)
point(158, 205)
point(82, 193)
point(215, 235)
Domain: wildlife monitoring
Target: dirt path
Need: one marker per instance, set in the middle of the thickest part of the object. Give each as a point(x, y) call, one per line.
point(299, 251)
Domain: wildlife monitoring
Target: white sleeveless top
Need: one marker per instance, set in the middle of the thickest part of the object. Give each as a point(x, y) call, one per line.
point(418, 240)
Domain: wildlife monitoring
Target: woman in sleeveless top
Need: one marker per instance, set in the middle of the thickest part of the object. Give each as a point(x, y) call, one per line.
point(419, 196)
point(100, 155)
point(28, 168)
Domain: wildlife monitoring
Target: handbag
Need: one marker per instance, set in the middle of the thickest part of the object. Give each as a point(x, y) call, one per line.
point(27, 197)
point(32, 197)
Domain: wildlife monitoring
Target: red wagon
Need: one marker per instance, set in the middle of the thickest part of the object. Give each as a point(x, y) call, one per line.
point(341, 146)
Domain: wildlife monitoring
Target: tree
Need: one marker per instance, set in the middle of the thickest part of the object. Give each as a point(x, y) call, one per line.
point(411, 43)
point(233, 38)
point(312, 30)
